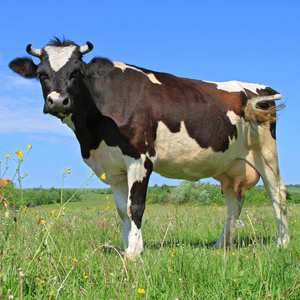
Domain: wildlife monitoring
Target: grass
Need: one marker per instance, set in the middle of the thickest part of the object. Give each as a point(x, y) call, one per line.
point(75, 253)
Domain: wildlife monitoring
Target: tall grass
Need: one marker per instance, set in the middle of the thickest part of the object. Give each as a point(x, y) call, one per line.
point(76, 254)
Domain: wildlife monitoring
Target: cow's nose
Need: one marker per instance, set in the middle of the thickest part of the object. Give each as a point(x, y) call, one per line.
point(58, 103)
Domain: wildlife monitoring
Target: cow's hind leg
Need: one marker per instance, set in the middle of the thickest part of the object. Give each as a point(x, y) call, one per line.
point(277, 193)
point(265, 161)
point(234, 206)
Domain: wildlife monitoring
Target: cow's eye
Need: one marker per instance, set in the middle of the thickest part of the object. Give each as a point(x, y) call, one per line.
point(75, 74)
point(43, 76)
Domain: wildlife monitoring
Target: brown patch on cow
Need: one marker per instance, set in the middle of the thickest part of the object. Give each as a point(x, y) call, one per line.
point(138, 193)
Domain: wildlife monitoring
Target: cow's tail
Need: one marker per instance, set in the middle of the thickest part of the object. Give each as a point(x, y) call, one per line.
point(262, 109)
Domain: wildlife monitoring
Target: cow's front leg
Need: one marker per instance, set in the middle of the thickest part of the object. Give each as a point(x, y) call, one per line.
point(132, 236)
point(130, 196)
point(138, 173)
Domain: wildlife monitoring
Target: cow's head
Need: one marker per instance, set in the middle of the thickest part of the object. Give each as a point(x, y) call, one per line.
point(61, 73)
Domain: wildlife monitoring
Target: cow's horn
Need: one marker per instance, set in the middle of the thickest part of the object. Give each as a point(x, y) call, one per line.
point(33, 52)
point(86, 49)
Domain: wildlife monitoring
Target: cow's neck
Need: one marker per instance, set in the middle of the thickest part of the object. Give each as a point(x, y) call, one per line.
point(86, 122)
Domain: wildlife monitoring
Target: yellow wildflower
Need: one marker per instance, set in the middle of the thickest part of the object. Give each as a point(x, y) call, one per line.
point(7, 156)
point(29, 147)
point(141, 291)
point(42, 281)
point(43, 221)
point(19, 153)
point(75, 260)
point(170, 270)
point(85, 276)
point(53, 212)
point(64, 208)
point(25, 208)
point(103, 177)
point(173, 255)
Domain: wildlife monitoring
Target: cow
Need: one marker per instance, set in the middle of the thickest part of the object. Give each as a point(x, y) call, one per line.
point(3, 200)
point(131, 122)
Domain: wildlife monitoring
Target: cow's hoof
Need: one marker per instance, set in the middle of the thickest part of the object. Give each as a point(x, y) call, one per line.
point(132, 254)
point(283, 240)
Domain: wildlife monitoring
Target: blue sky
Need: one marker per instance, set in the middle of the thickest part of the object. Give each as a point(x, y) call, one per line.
point(251, 41)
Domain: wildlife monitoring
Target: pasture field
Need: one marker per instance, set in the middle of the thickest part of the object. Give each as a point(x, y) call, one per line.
point(74, 251)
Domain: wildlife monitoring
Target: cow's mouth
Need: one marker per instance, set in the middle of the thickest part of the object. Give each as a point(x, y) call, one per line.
point(60, 115)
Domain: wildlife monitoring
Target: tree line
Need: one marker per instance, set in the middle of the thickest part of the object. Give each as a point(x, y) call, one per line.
point(186, 192)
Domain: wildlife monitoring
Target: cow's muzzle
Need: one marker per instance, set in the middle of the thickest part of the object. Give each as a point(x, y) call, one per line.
point(57, 104)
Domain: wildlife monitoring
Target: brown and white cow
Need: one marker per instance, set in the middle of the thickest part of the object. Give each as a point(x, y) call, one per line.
point(130, 121)
point(3, 200)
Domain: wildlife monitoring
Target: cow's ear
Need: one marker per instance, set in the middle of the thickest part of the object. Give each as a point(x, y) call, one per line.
point(24, 67)
point(98, 67)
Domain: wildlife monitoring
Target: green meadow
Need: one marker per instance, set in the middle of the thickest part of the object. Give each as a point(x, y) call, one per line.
point(74, 251)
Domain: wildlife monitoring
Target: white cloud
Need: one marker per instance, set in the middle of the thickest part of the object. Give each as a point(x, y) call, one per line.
point(21, 108)
point(17, 83)
point(25, 117)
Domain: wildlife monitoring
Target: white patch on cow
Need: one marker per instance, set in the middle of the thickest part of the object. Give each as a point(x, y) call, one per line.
point(135, 168)
point(236, 86)
point(123, 67)
point(233, 117)
point(135, 242)
point(108, 160)
point(59, 56)
point(188, 160)
point(67, 120)
point(54, 95)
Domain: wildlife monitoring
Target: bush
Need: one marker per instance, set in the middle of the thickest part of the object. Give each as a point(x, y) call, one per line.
point(190, 192)
point(12, 194)
point(293, 197)
point(40, 196)
point(158, 195)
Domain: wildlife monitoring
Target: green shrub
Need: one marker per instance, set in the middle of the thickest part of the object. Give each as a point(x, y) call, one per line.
point(12, 194)
point(39, 196)
point(190, 192)
point(158, 195)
